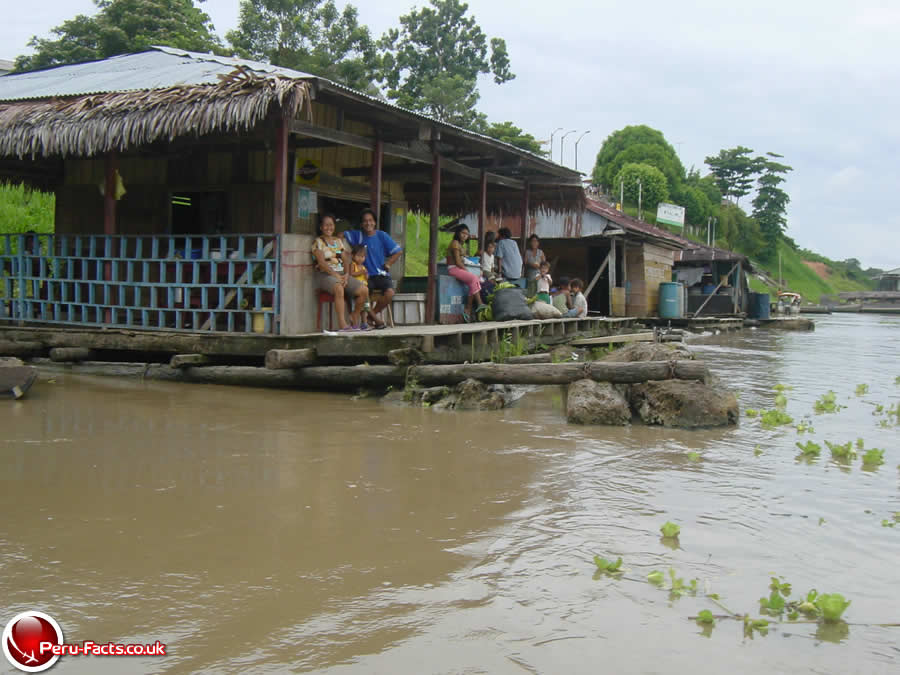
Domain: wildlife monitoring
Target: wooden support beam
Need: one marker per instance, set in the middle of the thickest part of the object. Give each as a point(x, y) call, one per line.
point(279, 359)
point(375, 179)
point(612, 272)
point(590, 286)
point(279, 212)
point(615, 339)
point(186, 360)
point(431, 298)
point(523, 237)
point(482, 210)
point(109, 194)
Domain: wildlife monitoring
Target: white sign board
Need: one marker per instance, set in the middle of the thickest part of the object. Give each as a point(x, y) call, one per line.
point(670, 214)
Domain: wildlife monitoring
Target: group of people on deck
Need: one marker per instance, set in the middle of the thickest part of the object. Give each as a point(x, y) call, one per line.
point(355, 267)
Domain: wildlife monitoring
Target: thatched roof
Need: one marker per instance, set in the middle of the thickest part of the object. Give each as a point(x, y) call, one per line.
point(97, 123)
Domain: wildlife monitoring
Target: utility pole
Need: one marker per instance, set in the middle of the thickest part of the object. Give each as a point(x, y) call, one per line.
point(622, 195)
point(640, 198)
point(562, 141)
point(551, 142)
point(576, 147)
point(708, 223)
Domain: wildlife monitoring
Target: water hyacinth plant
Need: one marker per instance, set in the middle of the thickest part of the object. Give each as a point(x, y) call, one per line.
point(827, 403)
point(841, 452)
point(609, 566)
point(809, 449)
point(751, 412)
point(873, 457)
point(832, 605)
point(775, 418)
point(862, 389)
point(670, 530)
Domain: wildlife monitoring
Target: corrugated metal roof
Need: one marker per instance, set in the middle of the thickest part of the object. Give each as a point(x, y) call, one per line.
point(158, 68)
point(634, 224)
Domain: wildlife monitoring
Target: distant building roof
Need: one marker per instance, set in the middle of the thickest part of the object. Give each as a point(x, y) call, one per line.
point(890, 273)
point(6, 66)
point(634, 225)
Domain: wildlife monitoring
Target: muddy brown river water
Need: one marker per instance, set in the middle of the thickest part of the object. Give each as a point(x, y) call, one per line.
point(258, 531)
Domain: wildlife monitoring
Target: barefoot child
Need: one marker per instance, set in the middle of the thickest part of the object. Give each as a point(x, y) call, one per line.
point(358, 271)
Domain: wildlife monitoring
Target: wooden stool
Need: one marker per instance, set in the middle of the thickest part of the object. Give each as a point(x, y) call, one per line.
point(325, 298)
point(373, 299)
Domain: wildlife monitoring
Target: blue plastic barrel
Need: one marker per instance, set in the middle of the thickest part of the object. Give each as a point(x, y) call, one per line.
point(708, 289)
point(670, 303)
point(759, 306)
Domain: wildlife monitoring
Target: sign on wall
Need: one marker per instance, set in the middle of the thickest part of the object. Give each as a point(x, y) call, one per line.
point(306, 171)
point(670, 214)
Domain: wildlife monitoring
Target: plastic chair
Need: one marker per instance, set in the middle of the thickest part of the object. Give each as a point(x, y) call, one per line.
point(325, 298)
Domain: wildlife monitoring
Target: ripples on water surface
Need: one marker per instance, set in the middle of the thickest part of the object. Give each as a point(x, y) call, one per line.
point(266, 532)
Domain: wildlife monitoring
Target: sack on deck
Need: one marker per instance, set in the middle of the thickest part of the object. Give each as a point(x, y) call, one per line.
point(509, 304)
point(541, 310)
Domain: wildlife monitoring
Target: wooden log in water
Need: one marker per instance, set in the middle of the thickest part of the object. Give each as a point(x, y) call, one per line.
point(279, 359)
point(68, 354)
point(407, 356)
point(24, 348)
point(543, 357)
point(329, 378)
point(559, 373)
point(15, 381)
point(185, 360)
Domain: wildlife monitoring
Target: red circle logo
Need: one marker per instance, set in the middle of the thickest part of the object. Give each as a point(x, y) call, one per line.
point(22, 640)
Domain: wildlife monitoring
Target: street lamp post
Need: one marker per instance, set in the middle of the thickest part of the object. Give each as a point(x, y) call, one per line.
point(576, 147)
point(551, 142)
point(561, 142)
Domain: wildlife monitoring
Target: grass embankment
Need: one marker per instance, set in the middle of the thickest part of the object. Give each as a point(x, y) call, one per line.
point(416, 246)
point(800, 278)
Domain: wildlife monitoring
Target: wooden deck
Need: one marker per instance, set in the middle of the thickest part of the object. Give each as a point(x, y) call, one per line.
point(439, 344)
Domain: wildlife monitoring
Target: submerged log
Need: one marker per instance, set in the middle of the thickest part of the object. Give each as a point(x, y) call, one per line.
point(24, 348)
point(329, 378)
point(560, 373)
point(185, 360)
point(279, 359)
point(65, 354)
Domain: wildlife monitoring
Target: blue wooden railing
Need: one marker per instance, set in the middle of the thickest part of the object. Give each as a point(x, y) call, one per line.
point(226, 283)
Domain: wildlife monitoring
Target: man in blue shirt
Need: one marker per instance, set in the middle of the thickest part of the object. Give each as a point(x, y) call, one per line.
point(508, 256)
point(381, 253)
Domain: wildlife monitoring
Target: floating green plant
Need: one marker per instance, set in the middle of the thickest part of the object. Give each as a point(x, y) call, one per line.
point(757, 451)
point(706, 617)
point(693, 456)
point(832, 605)
point(781, 586)
point(656, 577)
point(774, 604)
point(842, 451)
point(679, 586)
point(862, 389)
point(670, 530)
point(805, 427)
point(609, 566)
point(860, 443)
point(775, 418)
point(827, 403)
point(809, 449)
point(780, 401)
point(897, 380)
point(751, 412)
point(781, 387)
point(761, 626)
point(873, 457)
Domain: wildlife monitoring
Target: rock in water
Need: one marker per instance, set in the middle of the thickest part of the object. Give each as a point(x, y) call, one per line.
point(10, 362)
point(649, 351)
point(680, 403)
point(590, 402)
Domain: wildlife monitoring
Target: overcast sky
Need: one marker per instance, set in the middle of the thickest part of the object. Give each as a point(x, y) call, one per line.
point(815, 81)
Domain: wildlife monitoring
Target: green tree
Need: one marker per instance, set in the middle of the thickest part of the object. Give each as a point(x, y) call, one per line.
point(120, 27)
point(733, 170)
point(510, 133)
point(653, 188)
point(432, 62)
point(697, 207)
point(637, 144)
point(706, 184)
point(312, 36)
point(770, 203)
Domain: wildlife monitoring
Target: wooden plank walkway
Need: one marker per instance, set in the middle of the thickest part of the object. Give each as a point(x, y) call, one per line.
point(439, 344)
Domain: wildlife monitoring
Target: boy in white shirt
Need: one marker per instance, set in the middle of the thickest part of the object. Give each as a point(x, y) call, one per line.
point(579, 302)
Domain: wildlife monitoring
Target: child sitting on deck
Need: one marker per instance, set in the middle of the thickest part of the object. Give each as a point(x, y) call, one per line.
point(488, 274)
point(543, 283)
point(561, 299)
point(579, 302)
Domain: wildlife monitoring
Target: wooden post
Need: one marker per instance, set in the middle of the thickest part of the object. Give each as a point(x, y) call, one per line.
point(590, 286)
point(737, 287)
point(482, 210)
point(109, 215)
point(612, 273)
point(524, 236)
point(375, 180)
point(279, 211)
point(431, 296)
